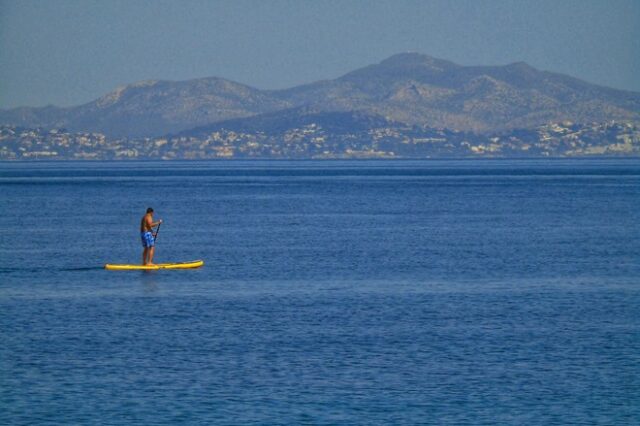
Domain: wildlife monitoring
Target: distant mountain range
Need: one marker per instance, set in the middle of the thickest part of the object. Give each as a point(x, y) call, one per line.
point(408, 88)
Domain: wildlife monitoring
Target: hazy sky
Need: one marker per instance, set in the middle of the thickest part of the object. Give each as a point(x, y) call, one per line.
point(73, 51)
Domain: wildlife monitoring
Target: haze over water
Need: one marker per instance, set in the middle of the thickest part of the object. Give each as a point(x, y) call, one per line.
point(442, 292)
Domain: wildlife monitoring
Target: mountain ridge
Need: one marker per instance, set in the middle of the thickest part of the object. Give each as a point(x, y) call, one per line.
point(411, 88)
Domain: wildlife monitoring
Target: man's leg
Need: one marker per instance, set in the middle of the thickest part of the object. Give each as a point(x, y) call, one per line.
point(151, 251)
point(145, 254)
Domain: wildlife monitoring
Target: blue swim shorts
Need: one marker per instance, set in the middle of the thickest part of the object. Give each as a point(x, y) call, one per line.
point(147, 239)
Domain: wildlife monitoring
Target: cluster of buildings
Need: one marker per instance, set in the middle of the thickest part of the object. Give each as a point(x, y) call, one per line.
point(314, 141)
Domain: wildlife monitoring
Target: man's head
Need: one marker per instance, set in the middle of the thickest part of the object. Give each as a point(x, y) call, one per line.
point(149, 210)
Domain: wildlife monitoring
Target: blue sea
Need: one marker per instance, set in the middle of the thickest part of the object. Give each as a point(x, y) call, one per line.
point(337, 292)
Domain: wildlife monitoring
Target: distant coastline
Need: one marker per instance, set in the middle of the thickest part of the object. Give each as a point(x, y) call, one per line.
point(558, 140)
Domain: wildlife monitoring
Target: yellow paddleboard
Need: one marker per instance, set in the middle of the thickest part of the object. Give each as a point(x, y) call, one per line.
point(181, 265)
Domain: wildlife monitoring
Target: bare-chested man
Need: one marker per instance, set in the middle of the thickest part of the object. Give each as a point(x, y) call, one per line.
point(148, 240)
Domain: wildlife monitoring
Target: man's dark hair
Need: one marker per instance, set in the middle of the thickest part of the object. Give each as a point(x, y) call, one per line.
point(149, 210)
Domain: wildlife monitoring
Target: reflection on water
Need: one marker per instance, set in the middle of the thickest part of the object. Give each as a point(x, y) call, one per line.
point(149, 280)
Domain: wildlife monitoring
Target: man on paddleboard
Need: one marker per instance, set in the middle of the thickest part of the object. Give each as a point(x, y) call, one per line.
point(148, 239)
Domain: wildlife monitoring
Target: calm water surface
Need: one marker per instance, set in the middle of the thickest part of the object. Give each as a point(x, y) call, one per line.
point(436, 292)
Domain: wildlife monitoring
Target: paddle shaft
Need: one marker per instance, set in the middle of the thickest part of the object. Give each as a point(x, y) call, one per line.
point(155, 236)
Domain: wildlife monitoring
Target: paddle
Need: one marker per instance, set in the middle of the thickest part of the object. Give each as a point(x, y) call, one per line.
point(155, 236)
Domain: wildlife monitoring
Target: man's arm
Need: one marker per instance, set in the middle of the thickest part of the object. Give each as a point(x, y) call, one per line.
point(151, 224)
